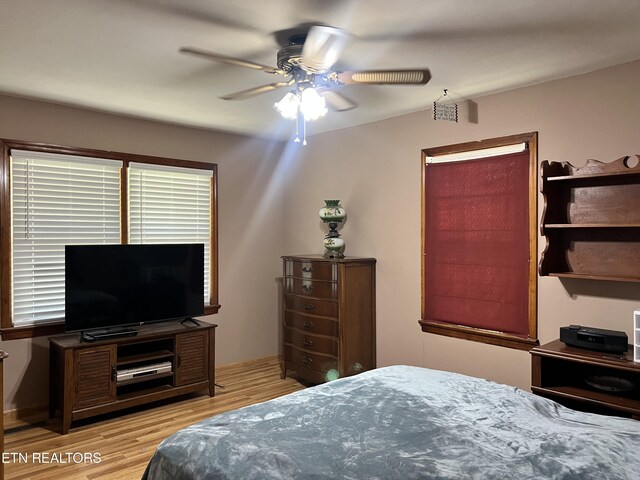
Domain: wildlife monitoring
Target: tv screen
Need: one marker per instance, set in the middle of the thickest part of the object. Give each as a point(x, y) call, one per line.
point(110, 286)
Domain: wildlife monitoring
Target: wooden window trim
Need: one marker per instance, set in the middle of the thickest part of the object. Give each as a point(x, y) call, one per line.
point(7, 330)
point(476, 334)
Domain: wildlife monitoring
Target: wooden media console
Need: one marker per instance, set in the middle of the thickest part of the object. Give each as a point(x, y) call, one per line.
point(83, 378)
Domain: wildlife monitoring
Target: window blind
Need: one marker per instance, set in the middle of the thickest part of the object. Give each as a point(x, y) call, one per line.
point(476, 231)
point(171, 205)
point(56, 200)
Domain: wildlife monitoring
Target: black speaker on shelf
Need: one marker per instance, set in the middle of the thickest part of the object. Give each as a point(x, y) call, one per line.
point(595, 338)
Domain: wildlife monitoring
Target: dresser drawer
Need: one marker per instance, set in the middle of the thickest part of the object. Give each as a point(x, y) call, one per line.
point(311, 324)
point(316, 343)
point(311, 288)
point(325, 308)
point(312, 270)
point(312, 361)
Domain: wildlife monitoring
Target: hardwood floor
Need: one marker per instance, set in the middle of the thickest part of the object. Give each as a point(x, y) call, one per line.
point(124, 443)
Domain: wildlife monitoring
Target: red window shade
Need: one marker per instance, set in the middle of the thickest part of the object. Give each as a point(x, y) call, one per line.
point(477, 243)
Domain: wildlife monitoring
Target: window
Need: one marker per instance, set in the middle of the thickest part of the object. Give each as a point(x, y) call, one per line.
point(52, 196)
point(170, 205)
point(480, 242)
point(56, 200)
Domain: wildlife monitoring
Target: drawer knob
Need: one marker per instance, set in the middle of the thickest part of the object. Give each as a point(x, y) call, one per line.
point(307, 324)
point(308, 306)
point(306, 359)
point(306, 342)
point(307, 269)
point(307, 287)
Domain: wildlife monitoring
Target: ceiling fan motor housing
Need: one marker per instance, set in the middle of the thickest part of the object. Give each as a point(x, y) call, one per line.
point(289, 57)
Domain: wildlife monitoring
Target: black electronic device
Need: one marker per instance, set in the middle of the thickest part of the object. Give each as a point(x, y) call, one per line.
point(111, 286)
point(107, 333)
point(599, 339)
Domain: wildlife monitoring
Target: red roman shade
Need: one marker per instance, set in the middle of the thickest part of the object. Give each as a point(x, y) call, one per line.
point(476, 234)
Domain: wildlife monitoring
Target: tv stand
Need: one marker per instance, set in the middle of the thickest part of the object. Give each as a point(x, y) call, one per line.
point(163, 360)
point(105, 334)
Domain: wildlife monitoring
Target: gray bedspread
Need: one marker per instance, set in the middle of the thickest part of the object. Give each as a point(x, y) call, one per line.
point(403, 423)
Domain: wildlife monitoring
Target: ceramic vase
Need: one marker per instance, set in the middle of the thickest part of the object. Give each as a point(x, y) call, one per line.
point(332, 214)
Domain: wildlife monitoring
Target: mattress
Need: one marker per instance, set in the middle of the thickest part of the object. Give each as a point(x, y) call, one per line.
point(403, 422)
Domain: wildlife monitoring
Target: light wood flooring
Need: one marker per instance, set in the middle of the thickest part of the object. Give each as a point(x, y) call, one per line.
point(125, 442)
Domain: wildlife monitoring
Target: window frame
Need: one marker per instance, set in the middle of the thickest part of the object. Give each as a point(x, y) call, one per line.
point(478, 334)
point(7, 330)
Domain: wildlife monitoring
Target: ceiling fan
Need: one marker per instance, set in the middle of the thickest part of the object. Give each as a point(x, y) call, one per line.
point(307, 63)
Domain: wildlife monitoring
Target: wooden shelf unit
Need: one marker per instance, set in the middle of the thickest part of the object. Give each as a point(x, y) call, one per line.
point(591, 220)
point(560, 372)
point(83, 375)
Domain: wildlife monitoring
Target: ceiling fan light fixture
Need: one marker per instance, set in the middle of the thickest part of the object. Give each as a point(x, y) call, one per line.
point(309, 103)
point(288, 106)
point(312, 104)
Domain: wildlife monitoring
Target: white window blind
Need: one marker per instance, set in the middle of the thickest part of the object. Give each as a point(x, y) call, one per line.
point(56, 200)
point(171, 205)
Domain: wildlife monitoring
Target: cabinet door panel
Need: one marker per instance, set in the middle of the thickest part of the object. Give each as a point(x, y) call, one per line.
point(94, 383)
point(192, 358)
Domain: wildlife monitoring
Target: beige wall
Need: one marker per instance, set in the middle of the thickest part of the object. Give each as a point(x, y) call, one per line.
point(375, 171)
point(269, 203)
point(250, 224)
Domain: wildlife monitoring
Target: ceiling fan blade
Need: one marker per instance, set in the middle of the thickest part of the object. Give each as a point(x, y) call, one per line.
point(337, 101)
point(384, 77)
point(230, 60)
point(252, 92)
point(322, 47)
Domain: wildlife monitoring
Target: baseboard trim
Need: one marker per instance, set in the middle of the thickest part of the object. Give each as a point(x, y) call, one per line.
point(25, 416)
point(267, 359)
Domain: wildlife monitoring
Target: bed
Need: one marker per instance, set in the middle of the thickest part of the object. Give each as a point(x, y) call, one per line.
point(403, 422)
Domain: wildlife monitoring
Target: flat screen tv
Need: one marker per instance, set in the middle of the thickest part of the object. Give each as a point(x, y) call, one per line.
point(111, 286)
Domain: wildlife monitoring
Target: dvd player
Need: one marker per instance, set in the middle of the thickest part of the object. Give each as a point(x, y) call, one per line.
point(142, 371)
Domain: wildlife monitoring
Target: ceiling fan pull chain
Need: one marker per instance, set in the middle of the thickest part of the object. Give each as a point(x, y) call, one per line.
point(297, 139)
point(301, 128)
point(304, 129)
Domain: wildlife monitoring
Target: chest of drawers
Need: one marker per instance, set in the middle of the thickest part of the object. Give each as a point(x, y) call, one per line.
point(329, 317)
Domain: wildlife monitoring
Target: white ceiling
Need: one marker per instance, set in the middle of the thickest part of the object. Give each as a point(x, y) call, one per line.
point(121, 56)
